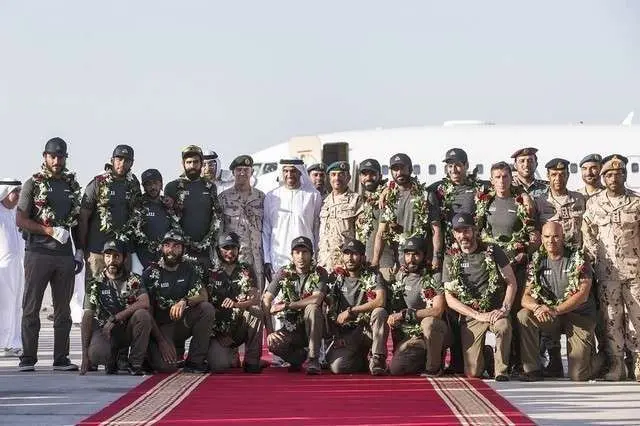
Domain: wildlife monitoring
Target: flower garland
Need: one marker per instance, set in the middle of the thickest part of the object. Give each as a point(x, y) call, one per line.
point(243, 282)
point(155, 270)
point(430, 289)
point(214, 224)
point(459, 290)
point(128, 295)
point(420, 205)
point(368, 283)
point(577, 267)
point(141, 238)
point(290, 318)
point(103, 183)
point(446, 193)
point(44, 211)
point(519, 240)
point(366, 220)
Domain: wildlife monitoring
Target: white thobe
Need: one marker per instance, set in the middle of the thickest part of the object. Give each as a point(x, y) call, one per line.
point(11, 279)
point(288, 214)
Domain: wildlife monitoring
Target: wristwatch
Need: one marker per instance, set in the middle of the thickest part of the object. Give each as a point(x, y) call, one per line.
point(506, 308)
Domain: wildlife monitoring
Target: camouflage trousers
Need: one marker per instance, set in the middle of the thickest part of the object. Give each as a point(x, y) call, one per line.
point(580, 341)
point(413, 355)
point(248, 331)
point(616, 297)
point(291, 345)
point(350, 348)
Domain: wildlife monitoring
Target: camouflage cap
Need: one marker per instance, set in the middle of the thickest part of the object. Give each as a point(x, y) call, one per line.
point(352, 245)
point(614, 162)
point(338, 166)
point(191, 150)
point(173, 235)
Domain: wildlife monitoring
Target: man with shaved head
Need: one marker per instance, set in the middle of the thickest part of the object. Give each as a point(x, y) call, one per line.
point(558, 300)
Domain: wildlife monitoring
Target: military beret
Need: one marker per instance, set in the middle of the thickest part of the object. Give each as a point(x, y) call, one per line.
point(319, 167)
point(591, 158)
point(210, 155)
point(415, 244)
point(338, 166)
point(150, 174)
point(557, 164)
point(243, 160)
point(462, 220)
point(400, 159)
point(229, 239)
point(371, 165)
point(123, 151)
point(456, 155)
point(173, 235)
point(352, 245)
point(524, 151)
point(613, 162)
point(114, 245)
point(302, 242)
point(191, 150)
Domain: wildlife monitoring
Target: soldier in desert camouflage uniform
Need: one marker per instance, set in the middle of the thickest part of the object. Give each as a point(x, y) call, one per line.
point(340, 209)
point(590, 167)
point(243, 209)
point(526, 163)
point(611, 231)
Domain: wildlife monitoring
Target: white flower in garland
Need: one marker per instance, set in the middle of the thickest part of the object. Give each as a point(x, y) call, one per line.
point(576, 270)
point(44, 211)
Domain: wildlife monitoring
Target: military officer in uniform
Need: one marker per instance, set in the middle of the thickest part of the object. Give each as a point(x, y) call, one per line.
point(300, 289)
point(233, 290)
point(480, 286)
point(558, 204)
point(357, 315)
point(418, 304)
point(117, 316)
point(590, 167)
point(340, 210)
point(611, 231)
point(243, 210)
point(318, 175)
point(180, 308)
point(526, 163)
point(558, 300)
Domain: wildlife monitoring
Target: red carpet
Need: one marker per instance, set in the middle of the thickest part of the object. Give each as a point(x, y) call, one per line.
point(278, 397)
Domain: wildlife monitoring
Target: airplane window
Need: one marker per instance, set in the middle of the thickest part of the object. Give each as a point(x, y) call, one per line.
point(416, 169)
point(432, 169)
point(270, 167)
point(480, 169)
point(573, 168)
point(385, 170)
point(634, 167)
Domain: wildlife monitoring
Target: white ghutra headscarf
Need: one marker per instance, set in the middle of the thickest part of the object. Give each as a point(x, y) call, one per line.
point(7, 186)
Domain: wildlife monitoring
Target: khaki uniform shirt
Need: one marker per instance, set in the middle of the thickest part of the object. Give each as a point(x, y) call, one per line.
point(611, 231)
point(537, 187)
point(243, 214)
point(337, 223)
point(565, 209)
point(586, 195)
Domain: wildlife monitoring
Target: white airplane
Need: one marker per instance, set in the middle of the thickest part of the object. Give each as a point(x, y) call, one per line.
point(484, 142)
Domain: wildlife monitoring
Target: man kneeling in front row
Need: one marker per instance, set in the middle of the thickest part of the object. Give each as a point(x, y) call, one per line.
point(558, 300)
point(117, 317)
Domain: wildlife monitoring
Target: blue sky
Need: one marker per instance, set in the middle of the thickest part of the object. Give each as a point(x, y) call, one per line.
point(240, 76)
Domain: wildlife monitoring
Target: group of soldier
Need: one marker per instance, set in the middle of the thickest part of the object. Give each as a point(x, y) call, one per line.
point(330, 273)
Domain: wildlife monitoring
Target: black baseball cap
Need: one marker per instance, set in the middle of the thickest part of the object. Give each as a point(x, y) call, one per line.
point(462, 220)
point(302, 242)
point(400, 159)
point(229, 239)
point(124, 151)
point(149, 175)
point(114, 245)
point(56, 146)
point(370, 164)
point(456, 155)
point(352, 245)
point(415, 244)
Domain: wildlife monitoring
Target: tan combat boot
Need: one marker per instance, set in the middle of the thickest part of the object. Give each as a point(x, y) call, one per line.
point(617, 371)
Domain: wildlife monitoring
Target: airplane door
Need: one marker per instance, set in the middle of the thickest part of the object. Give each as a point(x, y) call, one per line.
point(633, 172)
point(338, 151)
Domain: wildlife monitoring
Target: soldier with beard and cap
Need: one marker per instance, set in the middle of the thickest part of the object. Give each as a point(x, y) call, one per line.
point(154, 218)
point(526, 163)
point(611, 232)
point(590, 167)
point(195, 204)
point(338, 216)
point(369, 220)
point(108, 207)
point(358, 319)
point(243, 209)
point(48, 210)
point(480, 286)
point(180, 308)
point(408, 210)
point(318, 175)
point(295, 296)
point(416, 323)
point(233, 291)
point(117, 316)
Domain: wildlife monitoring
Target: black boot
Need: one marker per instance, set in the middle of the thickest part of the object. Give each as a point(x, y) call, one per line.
point(554, 369)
